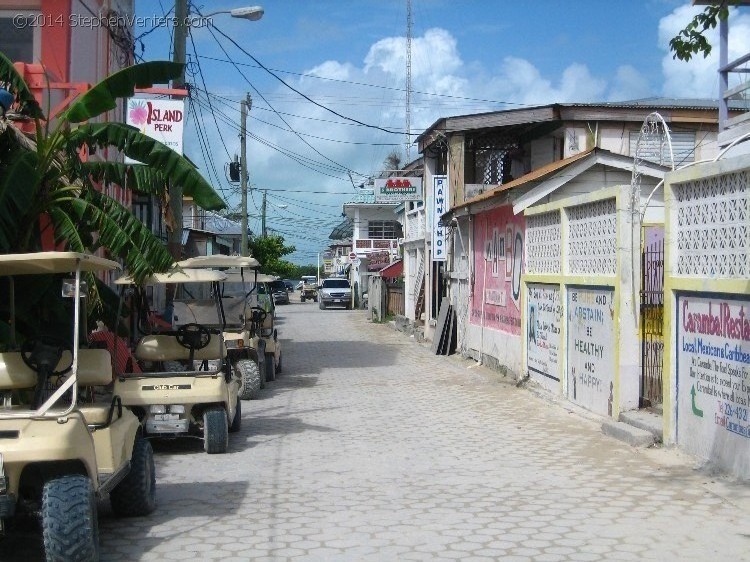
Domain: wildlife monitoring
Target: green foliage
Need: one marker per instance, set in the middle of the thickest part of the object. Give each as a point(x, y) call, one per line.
point(45, 176)
point(14, 83)
point(692, 40)
point(269, 251)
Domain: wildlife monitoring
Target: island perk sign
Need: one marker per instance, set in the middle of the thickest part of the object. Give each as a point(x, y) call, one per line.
point(162, 120)
point(397, 190)
point(713, 378)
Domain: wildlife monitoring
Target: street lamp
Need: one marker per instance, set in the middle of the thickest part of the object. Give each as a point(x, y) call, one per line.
point(252, 13)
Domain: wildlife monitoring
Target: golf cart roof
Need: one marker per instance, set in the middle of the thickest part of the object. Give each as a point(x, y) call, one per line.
point(184, 276)
point(220, 260)
point(52, 262)
point(235, 277)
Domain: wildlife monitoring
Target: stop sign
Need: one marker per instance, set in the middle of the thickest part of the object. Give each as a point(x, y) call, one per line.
point(352, 256)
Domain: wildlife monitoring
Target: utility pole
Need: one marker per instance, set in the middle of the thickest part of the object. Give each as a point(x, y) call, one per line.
point(175, 191)
point(245, 106)
point(263, 215)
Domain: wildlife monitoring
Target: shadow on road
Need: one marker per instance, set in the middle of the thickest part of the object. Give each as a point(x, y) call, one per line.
point(23, 541)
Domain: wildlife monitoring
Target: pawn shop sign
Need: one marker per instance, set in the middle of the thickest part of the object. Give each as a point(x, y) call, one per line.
point(162, 120)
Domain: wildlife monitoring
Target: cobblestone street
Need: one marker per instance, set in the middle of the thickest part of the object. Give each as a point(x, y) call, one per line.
point(370, 448)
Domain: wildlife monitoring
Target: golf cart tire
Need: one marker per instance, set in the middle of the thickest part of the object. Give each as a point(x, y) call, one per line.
point(270, 367)
point(278, 367)
point(302, 298)
point(237, 420)
point(250, 377)
point(69, 520)
point(322, 305)
point(215, 430)
point(136, 494)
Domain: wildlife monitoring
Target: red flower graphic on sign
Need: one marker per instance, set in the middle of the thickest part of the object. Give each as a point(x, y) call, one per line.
point(138, 113)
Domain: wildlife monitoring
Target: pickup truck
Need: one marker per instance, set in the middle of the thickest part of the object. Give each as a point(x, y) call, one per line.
point(335, 292)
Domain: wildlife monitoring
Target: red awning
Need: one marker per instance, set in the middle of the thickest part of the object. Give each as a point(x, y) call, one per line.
point(396, 269)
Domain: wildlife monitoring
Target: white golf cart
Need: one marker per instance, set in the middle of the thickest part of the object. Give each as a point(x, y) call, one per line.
point(60, 448)
point(182, 383)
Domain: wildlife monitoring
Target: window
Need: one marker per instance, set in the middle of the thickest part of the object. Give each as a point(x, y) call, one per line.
point(16, 42)
point(654, 150)
point(384, 229)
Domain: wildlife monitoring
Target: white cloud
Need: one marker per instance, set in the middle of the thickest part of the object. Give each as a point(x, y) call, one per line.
point(699, 76)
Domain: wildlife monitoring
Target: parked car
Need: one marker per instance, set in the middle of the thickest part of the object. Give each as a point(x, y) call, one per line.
point(335, 292)
point(279, 292)
point(289, 285)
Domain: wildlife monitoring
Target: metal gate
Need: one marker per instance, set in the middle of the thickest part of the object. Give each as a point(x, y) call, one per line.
point(652, 321)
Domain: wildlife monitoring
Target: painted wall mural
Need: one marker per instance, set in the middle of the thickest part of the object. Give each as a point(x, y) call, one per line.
point(713, 377)
point(591, 348)
point(543, 343)
point(498, 265)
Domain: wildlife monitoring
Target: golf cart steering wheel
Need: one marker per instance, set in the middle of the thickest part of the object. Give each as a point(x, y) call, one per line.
point(43, 353)
point(193, 336)
point(257, 314)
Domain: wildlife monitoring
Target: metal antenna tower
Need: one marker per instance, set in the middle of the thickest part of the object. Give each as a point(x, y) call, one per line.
point(408, 81)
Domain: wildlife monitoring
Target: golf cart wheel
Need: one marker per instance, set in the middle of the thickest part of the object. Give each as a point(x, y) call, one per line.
point(136, 494)
point(322, 305)
point(250, 377)
point(270, 367)
point(69, 521)
point(237, 420)
point(215, 431)
point(278, 367)
point(302, 298)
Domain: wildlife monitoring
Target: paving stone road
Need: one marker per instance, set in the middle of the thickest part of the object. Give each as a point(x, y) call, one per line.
point(370, 448)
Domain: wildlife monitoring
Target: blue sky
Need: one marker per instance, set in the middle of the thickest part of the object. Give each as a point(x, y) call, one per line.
point(468, 56)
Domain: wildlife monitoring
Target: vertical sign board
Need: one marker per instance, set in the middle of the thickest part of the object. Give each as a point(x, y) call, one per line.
point(544, 312)
point(591, 348)
point(439, 207)
point(162, 120)
point(713, 379)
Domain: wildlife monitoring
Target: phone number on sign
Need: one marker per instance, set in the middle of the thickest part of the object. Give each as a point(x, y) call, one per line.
point(22, 21)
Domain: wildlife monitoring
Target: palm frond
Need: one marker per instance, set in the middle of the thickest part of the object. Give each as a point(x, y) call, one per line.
point(103, 96)
point(153, 153)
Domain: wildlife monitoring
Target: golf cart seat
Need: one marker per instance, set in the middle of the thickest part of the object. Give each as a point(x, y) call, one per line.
point(95, 369)
point(162, 347)
point(14, 374)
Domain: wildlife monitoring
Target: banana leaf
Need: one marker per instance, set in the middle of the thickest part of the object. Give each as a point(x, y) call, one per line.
point(15, 84)
point(120, 232)
point(151, 152)
point(19, 183)
point(142, 179)
point(103, 96)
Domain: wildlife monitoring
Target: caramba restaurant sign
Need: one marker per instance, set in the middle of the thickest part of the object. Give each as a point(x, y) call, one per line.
point(397, 190)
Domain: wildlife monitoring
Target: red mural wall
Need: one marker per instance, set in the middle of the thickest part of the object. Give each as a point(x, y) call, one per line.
point(498, 264)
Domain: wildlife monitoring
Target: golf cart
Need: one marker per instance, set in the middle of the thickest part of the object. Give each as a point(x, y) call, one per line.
point(245, 348)
point(182, 383)
point(260, 321)
point(309, 288)
point(60, 448)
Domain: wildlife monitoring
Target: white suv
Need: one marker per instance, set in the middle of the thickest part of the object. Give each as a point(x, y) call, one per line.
point(336, 292)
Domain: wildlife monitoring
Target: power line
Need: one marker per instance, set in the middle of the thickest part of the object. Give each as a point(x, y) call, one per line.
point(308, 98)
